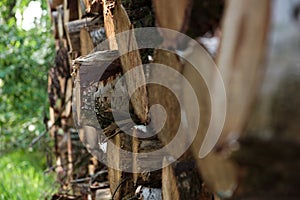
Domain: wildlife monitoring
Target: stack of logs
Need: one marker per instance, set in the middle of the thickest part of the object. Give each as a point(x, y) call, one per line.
point(79, 27)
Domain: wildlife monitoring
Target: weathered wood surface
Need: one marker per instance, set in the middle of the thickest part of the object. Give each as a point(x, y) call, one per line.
point(169, 101)
point(173, 16)
point(117, 22)
point(121, 183)
point(181, 180)
point(86, 43)
point(76, 25)
point(74, 34)
point(140, 164)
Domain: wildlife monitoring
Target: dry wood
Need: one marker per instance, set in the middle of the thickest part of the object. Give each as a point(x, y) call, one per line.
point(141, 164)
point(241, 64)
point(168, 100)
point(93, 6)
point(68, 103)
point(76, 25)
point(71, 7)
point(60, 24)
point(171, 15)
point(74, 31)
point(103, 194)
point(218, 172)
point(86, 42)
point(181, 180)
point(90, 68)
point(54, 3)
point(118, 22)
point(121, 184)
point(109, 23)
point(242, 60)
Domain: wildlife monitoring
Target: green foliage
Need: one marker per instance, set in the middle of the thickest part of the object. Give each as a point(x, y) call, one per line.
point(22, 178)
point(25, 57)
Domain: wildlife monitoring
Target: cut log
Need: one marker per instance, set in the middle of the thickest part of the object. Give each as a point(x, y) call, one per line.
point(140, 164)
point(168, 100)
point(242, 60)
point(244, 34)
point(103, 194)
point(96, 89)
point(118, 22)
point(173, 16)
point(217, 171)
point(181, 180)
point(54, 3)
point(86, 42)
point(121, 183)
point(90, 71)
point(73, 30)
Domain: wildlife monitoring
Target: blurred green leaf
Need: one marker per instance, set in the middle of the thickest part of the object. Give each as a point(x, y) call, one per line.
point(25, 57)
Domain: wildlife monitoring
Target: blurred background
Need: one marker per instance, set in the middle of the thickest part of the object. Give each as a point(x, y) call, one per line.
point(27, 52)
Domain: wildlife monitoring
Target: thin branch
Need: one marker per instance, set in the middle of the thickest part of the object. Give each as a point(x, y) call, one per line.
point(115, 192)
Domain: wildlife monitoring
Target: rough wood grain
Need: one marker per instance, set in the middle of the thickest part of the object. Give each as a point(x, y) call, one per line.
point(129, 61)
point(181, 180)
point(171, 15)
point(86, 42)
point(117, 22)
point(109, 23)
point(120, 182)
point(161, 95)
point(140, 164)
point(74, 33)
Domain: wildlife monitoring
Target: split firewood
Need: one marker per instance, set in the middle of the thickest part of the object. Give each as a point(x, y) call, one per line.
point(244, 34)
